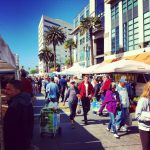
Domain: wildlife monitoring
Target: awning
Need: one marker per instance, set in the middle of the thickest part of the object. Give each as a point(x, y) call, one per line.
point(7, 59)
point(143, 57)
point(124, 65)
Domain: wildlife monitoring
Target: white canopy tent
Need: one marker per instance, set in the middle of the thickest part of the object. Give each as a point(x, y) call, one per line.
point(74, 70)
point(91, 69)
point(125, 66)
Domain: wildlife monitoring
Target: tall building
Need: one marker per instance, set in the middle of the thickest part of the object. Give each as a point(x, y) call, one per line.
point(127, 27)
point(61, 53)
point(82, 53)
point(97, 9)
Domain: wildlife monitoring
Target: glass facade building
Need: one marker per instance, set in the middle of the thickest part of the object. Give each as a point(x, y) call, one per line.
point(146, 18)
point(127, 27)
point(115, 28)
point(130, 24)
point(82, 40)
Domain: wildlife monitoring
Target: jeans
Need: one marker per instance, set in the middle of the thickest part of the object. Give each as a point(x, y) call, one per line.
point(86, 106)
point(72, 107)
point(112, 123)
point(121, 117)
point(63, 93)
point(145, 139)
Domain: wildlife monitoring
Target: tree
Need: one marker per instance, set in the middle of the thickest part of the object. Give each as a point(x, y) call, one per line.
point(33, 71)
point(67, 61)
point(70, 44)
point(89, 24)
point(54, 36)
point(46, 56)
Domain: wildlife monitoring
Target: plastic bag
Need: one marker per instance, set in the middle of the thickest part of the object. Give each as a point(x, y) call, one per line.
point(95, 105)
point(79, 107)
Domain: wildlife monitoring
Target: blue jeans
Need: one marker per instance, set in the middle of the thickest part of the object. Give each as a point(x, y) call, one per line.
point(112, 122)
point(121, 117)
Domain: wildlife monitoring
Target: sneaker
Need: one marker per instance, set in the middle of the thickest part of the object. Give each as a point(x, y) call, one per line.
point(116, 135)
point(107, 129)
point(124, 129)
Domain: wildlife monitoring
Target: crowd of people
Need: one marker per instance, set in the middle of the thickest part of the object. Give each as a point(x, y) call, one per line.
point(112, 96)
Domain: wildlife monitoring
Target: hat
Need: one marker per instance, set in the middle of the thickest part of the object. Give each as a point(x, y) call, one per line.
point(123, 79)
point(72, 82)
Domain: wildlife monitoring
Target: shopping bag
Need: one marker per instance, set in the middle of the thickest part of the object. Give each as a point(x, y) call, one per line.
point(79, 107)
point(95, 105)
point(128, 121)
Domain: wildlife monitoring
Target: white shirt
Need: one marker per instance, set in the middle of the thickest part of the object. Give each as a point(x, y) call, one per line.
point(86, 89)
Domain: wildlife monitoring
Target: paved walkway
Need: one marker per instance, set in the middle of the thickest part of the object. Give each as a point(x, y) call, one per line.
point(91, 137)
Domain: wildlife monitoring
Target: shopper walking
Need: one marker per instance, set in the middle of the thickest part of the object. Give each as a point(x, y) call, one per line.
point(143, 116)
point(96, 89)
point(86, 93)
point(72, 97)
point(18, 120)
point(63, 84)
point(52, 91)
point(111, 101)
point(124, 100)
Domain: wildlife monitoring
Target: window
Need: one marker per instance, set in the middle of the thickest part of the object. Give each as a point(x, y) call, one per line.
point(115, 29)
point(76, 22)
point(53, 23)
point(87, 13)
point(99, 7)
point(130, 28)
point(87, 36)
point(147, 27)
point(81, 17)
point(82, 52)
point(125, 40)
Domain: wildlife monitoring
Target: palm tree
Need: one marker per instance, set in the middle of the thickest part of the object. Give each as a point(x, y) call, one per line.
point(46, 56)
point(89, 24)
point(54, 36)
point(70, 44)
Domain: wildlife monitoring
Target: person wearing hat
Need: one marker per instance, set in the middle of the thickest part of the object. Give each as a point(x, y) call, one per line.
point(124, 100)
point(72, 97)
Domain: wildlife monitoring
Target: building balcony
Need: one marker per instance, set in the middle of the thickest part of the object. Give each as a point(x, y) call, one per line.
point(109, 1)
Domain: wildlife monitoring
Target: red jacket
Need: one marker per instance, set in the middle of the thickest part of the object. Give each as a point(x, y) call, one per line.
point(27, 86)
point(106, 85)
point(82, 89)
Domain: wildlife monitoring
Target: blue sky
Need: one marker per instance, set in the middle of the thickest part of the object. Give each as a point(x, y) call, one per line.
point(19, 21)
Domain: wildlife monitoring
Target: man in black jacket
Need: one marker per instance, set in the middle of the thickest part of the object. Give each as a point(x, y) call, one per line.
point(18, 120)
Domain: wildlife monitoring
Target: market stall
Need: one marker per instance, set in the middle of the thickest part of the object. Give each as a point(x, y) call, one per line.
point(124, 65)
point(7, 71)
point(74, 70)
point(92, 68)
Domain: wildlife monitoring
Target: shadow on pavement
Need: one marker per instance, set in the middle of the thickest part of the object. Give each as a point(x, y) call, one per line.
point(131, 130)
point(70, 139)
